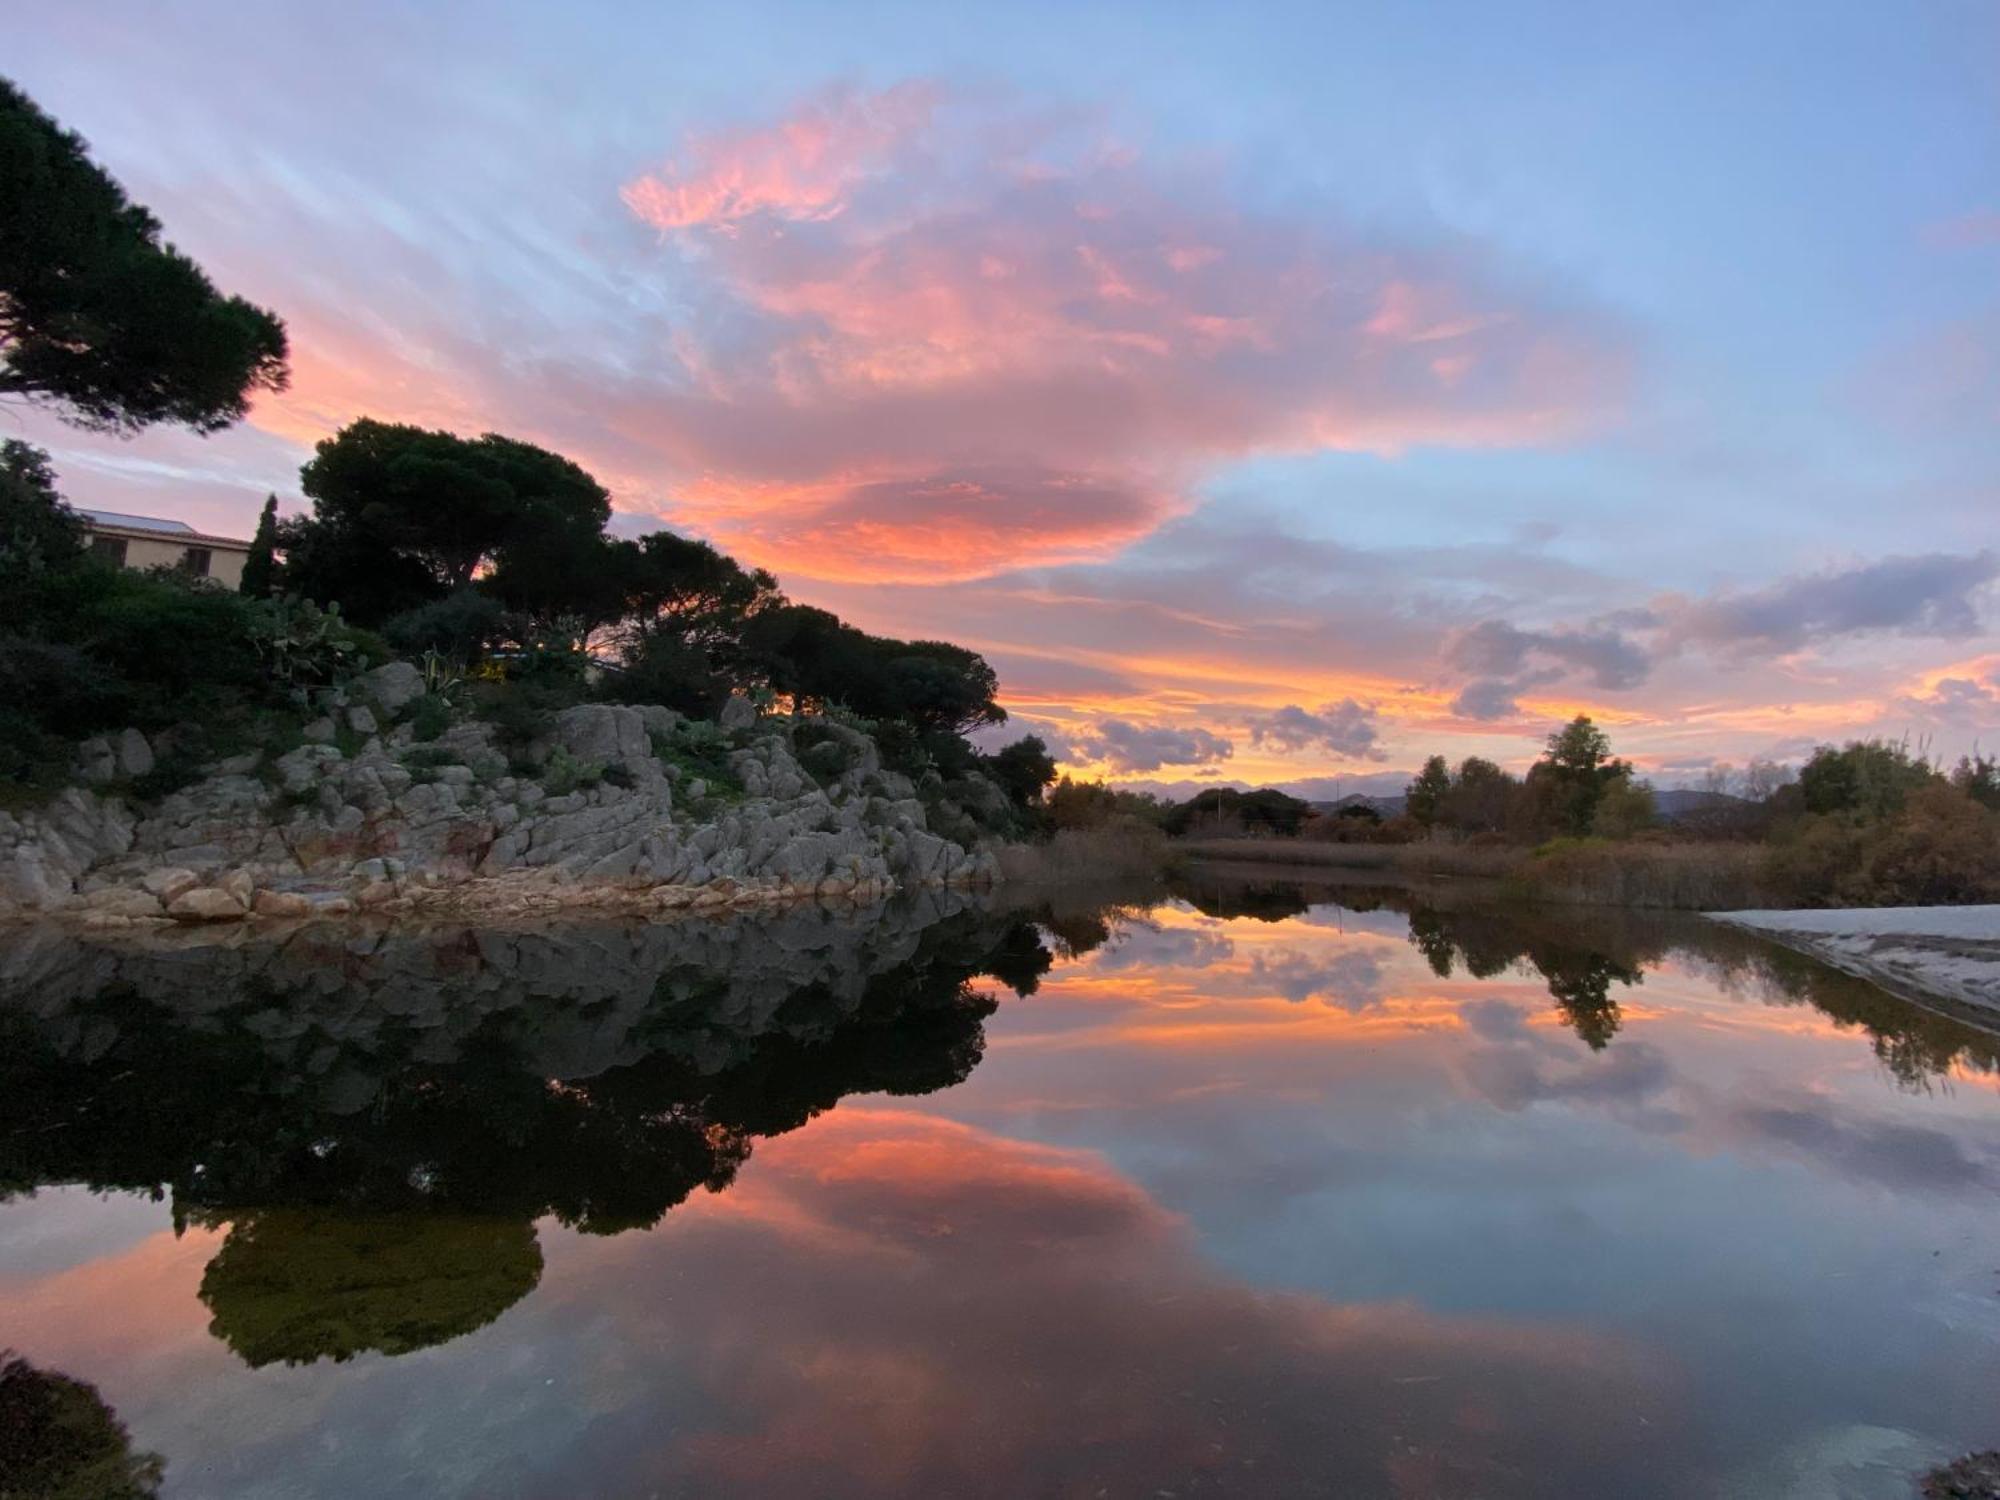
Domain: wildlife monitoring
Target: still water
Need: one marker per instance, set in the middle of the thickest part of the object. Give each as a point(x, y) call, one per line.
point(1256, 1190)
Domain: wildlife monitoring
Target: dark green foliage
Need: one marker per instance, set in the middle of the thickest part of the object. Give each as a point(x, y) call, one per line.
point(1023, 770)
point(563, 773)
point(1424, 798)
point(818, 660)
point(1092, 804)
point(1565, 786)
point(461, 627)
point(1864, 778)
point(1483, 798)
point(38, 532)
point(662, 668)
point(1978, 776)
point(430, 716)
point(295, 1285)
point(60, 1441)
point(1224, 809)
point(371, 583)
point(260, 568)
point(446, 503)
point(98, 317)
point(698, 748)
point(521, 709)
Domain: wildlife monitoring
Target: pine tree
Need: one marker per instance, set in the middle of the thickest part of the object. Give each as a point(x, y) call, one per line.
point(260, 568)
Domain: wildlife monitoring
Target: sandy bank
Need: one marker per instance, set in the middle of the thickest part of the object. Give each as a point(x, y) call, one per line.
point(1926, 953)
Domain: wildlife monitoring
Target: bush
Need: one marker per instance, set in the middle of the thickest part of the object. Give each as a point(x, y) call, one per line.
point(698, 748)
point(563, 773)
point(462, 626)
point(430, 716)
point(1943, 849)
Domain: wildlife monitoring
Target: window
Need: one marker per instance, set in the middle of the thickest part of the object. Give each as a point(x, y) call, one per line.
point(110, 548)
point(196, 561)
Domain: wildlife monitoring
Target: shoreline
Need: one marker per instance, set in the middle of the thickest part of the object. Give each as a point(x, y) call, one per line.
point(1945, 956)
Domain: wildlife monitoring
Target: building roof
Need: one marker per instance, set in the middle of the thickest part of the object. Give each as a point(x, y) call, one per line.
point(135, 523)
point(155, 526)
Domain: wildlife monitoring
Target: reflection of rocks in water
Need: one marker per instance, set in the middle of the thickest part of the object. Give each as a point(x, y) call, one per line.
point(59, 1441)
point(303, 1284)
point(381, 1122)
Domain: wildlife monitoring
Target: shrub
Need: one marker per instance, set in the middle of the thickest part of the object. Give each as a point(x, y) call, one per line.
point(563, 773)
point(462, 626)
point(1944, 848)
point(430, 716)
point(303, 646)
point(698, 748)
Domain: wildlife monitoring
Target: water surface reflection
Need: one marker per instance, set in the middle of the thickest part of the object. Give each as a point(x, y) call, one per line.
point(1262, 1190)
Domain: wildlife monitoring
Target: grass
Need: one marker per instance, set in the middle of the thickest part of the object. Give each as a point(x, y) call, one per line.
point(1121, 849)
point(1411, 859)
point(1580, 872)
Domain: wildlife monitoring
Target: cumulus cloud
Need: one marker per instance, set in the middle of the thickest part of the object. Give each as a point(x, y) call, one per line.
point(1935, 594)
point(1003, 340)
point(1125, 746)
point(1495, 648)
point(1346, 729)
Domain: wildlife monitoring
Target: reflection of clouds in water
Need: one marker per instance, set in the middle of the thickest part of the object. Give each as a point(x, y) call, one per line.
point(1636, 1083)
point(1352, 981)
point(1495, 1020)
point(1144, 945)
point(897, 1305)
point(1520, 1065)
point(1808, 1127)
point(1516, 1076)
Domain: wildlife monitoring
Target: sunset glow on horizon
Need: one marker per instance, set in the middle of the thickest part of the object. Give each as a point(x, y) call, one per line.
point(1267, 408)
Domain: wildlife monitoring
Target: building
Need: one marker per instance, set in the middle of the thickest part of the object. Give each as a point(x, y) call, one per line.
point(151, 542)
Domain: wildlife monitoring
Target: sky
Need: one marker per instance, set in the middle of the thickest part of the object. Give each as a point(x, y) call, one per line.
point(1275, 394)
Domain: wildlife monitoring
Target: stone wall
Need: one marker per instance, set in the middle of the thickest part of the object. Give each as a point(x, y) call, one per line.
point(365, 816)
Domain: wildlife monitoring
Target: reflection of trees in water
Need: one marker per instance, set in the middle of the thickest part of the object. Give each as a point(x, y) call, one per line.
point(303, 1284)
point(1586, 954)
point(60, 1441)
point(1579, 975)
point(383, 1197)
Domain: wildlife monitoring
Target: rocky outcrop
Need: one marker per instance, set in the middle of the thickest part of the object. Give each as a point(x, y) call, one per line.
point(612, 805)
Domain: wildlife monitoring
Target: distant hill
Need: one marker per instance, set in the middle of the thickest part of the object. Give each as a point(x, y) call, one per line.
point(1386, 807)
point(1684, 802)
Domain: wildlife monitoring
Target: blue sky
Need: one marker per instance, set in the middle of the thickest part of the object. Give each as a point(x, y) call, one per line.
point(1710, 291)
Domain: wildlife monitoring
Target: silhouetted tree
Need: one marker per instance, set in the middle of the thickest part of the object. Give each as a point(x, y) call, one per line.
point(1566, 785)
point(38, 532)
point(1023, 769)
point(447, 506)
point(1863, 778)
point(98, 317)
point(1424, 798)
point(260, 568)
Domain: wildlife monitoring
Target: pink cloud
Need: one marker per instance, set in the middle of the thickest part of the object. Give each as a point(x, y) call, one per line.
point(925, 296)
point(801, 169)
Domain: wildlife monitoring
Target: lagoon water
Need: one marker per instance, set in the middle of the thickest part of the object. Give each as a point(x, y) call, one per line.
point(1256, 1190)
